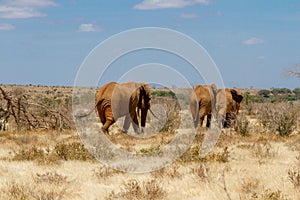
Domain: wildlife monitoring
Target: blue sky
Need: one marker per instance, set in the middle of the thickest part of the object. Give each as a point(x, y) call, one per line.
point(252, 42)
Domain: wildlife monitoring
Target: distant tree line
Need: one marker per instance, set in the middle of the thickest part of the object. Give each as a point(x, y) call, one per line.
point(163, 93)
point(274, 95)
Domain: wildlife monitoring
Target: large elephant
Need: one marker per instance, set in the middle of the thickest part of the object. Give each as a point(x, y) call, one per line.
point(202, 103)
point(227, 105)
point(115, 100)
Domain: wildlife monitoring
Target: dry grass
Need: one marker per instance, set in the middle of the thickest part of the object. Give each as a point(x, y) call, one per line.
point(192, 155)
point(102, 173)
point(49, 186)
point(202, 172)
point(264, 150)
point(50, 177)
point(294, 177)
point(48, 156)
point(249, 186)
point(204, 177)
point(171, 171)
point(134, 190)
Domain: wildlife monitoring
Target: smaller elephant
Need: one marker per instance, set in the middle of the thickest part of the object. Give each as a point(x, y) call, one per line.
point(227, 105)
point(202, 103)
point(115, 100)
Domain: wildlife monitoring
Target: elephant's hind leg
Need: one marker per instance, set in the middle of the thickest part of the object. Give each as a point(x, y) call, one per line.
point(109, 119)
point(126, 123)
point(135, 123)
point(202, 114)
point(208, 120)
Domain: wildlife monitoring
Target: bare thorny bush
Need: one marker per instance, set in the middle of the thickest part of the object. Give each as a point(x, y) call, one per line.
point(35, 111)
point(242, 125)
point(282, 118)
point(294, 173)
point(263, 151)
point(104, 172)
point(172, 107)
point(169, 171)
point(202, 172)
point(294, 177)
point(134, 190)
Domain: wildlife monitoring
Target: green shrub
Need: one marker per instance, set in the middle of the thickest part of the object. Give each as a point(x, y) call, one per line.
point(264, 93)
point(163, 93)
point(153, 150)
point(296, 91)
point(73, 151)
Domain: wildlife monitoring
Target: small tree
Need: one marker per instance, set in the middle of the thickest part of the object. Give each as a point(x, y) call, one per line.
point(294, 72)
point(296, 91)
point(264, 93)
point(275, 91)
point(281, 91)
point(285, 91)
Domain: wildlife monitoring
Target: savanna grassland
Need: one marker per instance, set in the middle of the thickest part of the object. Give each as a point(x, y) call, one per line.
point(42, 156)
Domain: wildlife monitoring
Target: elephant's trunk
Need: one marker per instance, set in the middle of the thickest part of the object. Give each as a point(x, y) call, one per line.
point(143, 117)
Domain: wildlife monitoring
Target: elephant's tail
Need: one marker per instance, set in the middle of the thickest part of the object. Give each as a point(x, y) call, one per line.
point(196, 120)
point(81, 115)
point(153, 113)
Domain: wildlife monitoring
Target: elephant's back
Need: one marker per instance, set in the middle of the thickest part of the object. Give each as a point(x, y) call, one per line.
point(202, 92)
point(105, 92)
point(224, 100)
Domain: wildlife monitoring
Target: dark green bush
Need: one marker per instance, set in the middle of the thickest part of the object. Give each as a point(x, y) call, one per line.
point(163, 93)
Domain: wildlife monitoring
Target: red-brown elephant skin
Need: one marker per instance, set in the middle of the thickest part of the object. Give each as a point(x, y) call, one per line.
point(202, 103)
point(114, 100)
point(227, 105)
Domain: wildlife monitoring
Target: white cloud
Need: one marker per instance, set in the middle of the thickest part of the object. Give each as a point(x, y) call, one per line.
point(12, 9)
point(15, 12)
point(261, 57)
point(219, 13)
point(160, 4)
point(32, 3)
point(88, 28)
point(6, 27)
point(189, 15)
point(253, 40)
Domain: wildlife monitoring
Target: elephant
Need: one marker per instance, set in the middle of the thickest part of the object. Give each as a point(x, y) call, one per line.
point(115, 100)
point(202, 103)
point(227, 105)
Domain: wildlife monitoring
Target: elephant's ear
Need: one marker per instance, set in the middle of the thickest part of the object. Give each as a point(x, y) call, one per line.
point(136, 97)
point(146, 89)
point(237, 97)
